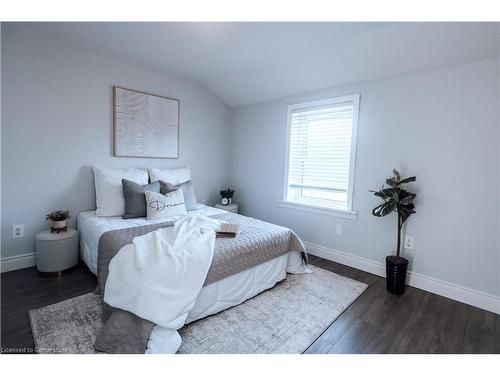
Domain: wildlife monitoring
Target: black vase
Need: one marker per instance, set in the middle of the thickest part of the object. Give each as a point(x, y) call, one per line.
point(395, 268)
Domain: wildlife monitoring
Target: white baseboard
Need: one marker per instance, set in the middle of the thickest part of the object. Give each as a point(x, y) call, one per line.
point(17, 262)
point(459, 293)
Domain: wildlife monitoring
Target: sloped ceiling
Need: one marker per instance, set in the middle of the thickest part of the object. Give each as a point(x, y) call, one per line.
point(245, 63)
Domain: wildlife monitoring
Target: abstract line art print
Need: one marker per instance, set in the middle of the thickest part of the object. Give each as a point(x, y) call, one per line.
point(145, 125)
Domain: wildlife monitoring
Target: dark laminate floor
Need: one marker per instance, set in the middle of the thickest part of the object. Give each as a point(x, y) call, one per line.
point(377, 322)
point(24, 290)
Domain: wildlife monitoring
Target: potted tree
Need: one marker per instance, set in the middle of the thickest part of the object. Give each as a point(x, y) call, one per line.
point(398, 200)
point(58, 220)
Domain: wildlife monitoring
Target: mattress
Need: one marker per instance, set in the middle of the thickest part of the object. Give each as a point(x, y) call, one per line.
point(214, 297)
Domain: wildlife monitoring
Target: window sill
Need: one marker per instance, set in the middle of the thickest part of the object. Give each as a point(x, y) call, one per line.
point(353, 215)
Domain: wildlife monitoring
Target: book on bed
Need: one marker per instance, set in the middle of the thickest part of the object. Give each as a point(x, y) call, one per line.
point(228, 230)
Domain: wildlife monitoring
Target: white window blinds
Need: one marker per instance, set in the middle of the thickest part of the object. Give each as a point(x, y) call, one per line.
point(320, 149)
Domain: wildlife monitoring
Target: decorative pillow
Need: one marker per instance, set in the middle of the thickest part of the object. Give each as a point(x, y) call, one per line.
point(173, 176)
point(109, 191)
point(187, 189)
point(161, 206)
point(135, 199)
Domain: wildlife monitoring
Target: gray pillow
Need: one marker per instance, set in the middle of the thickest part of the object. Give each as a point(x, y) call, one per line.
point(187, 189)
point(135, 199)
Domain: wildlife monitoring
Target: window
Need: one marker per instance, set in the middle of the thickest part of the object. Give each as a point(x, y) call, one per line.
point(321, 150)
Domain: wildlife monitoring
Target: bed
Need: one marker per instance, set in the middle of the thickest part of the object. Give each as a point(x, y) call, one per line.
point(213, 298)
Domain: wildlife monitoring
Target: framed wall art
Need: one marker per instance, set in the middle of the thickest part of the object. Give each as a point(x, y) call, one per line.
point(145, 125)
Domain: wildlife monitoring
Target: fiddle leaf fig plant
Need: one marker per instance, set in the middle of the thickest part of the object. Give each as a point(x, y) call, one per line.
point(396, 199)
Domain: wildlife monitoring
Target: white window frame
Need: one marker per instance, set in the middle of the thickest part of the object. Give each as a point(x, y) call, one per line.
point(347, 213)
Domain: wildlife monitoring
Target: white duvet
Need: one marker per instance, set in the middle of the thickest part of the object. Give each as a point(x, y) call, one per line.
point(159, 275)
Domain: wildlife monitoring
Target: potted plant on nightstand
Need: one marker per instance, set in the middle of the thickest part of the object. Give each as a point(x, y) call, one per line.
point(227, 196)
point(58, 220)
point(396, 199)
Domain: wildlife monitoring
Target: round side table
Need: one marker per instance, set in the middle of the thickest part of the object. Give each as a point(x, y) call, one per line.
point(232, 207)
point(56, 253)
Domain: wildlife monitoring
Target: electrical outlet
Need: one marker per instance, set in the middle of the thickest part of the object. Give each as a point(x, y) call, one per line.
point(18, 231)
point(409, 243)
point(338, 229)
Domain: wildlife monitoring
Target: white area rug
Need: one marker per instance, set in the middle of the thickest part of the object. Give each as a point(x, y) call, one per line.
point(285, 319)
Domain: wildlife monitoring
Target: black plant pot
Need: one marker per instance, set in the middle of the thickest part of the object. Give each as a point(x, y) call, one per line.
point(395, 268)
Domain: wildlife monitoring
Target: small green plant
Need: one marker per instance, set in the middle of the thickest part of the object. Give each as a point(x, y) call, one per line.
point(396, 199)
point(58, 215)
point(228, 193)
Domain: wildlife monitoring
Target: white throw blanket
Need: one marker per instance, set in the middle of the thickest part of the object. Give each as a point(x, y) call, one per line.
point(159, 275)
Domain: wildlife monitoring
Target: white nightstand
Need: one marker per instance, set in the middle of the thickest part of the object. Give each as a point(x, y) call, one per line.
point(232, 207)
point(56, 252)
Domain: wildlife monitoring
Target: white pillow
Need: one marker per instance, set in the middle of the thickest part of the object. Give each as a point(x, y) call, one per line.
point(109, 190)
point(161, 206)
point(174, 176)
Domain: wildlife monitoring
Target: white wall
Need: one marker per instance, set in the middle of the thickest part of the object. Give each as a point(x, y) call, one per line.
point(57, 122)
point(442, 126)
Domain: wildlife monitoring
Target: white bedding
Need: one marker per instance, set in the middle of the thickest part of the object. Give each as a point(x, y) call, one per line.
point(160, 274)
point(212, 298)
point(91, 228)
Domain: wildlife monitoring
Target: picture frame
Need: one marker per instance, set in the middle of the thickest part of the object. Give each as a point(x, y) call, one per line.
point(145, 125)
